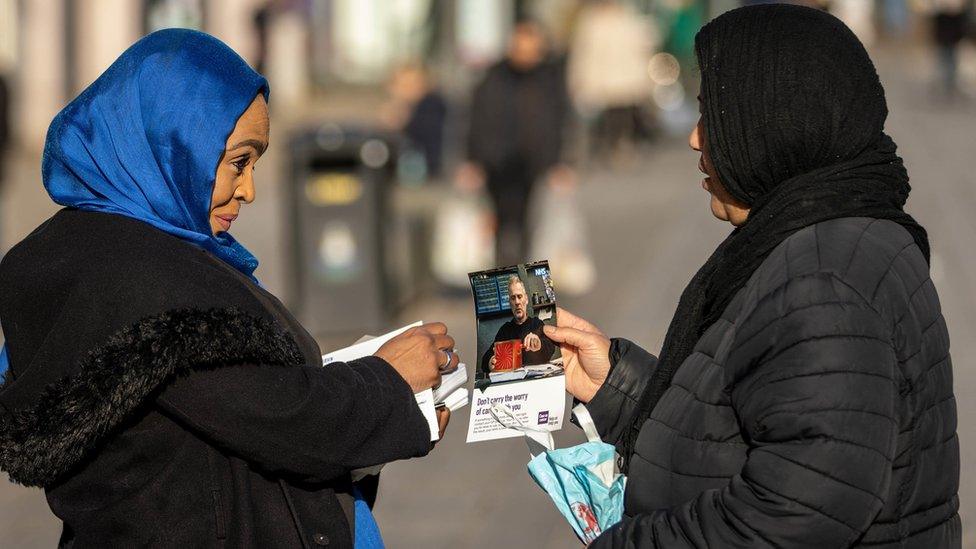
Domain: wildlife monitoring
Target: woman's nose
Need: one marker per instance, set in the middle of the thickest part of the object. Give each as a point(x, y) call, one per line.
point(245, 192)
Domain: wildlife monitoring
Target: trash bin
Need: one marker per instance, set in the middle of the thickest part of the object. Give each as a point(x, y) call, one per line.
point(340, 176)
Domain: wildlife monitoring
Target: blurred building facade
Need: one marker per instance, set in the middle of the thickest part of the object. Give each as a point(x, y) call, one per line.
point(51, 49)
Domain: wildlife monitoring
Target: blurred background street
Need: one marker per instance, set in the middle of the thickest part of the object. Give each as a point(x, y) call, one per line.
point(380, 190)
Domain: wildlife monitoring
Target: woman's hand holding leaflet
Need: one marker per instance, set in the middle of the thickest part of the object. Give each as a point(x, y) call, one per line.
point(586, 354)
point(418, 355)
point(443, 418)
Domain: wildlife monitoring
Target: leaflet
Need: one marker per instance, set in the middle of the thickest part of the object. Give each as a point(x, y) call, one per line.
point(520, 385)
point(450, 393)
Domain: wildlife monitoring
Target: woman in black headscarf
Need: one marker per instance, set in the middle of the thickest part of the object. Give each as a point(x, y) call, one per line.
point(803, 395)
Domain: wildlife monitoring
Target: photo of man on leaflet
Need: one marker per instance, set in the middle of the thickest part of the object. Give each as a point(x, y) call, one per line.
point(536, 347)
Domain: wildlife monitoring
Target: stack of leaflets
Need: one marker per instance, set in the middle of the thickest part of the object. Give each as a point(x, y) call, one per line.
point(451, 393)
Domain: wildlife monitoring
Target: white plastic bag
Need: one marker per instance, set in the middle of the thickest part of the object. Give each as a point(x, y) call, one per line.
point(560, 235)
point(463, 239)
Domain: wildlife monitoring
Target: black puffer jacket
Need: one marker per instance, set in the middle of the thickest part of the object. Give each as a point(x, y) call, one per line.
point(818, 412)
point(162, 399)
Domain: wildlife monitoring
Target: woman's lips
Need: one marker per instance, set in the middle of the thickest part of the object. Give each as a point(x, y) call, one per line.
point(226, 220)
point(705, 183)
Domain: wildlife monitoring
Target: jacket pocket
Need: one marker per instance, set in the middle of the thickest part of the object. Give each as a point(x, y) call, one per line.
point(220, 513)
point(219, 519)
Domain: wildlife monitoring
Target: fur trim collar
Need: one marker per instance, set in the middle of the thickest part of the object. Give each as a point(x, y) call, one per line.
point(41, 443)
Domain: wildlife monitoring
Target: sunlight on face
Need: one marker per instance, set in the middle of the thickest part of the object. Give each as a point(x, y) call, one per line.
point(234, 182)
point(723, 205)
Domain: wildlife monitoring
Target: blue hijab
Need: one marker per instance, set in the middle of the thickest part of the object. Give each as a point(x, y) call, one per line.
point(145, 138)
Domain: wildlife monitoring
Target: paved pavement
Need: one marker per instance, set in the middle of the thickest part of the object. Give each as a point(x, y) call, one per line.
point(650, 229)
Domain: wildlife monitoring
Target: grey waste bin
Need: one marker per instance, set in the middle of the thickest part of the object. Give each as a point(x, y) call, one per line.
point(338, 204)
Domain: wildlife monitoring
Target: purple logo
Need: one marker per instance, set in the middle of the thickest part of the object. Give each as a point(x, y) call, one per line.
point(543, 417)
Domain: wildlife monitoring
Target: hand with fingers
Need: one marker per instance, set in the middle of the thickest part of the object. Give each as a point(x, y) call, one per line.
point(420, 355)
point(443, 417)
point(586, 353)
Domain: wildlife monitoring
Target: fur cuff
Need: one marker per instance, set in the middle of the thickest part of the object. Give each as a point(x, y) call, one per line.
point(72, 416)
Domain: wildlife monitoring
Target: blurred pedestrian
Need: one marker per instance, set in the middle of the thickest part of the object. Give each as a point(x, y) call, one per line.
point(261, 22)
point(858, 15)
point(820, 4)
point(896, 18)
point(680, 20)
point(608, 78)
point(803, 396)
point(949, 21)
point(518, 117)
point(5, 134)
point(4, 145)
point(418, 110)
point(155, 390)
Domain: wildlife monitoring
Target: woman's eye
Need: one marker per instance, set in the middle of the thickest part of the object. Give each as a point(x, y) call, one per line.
point(240, 164)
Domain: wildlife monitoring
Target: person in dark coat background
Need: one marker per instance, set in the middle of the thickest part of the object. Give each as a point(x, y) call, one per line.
point(803, 394)
point(155, 391)
point(418, 110)
point(5, 124)
point(518, 117)
point(951, 21)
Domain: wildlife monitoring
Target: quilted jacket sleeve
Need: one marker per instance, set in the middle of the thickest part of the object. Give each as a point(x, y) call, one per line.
point(812, 374)
point(614, 405)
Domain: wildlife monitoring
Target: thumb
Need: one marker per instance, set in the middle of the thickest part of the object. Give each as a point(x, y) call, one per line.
point(571, 336)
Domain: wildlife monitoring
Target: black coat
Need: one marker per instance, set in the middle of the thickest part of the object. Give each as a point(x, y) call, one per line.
point(519, 117)
point(817, 412)
point(161, 398)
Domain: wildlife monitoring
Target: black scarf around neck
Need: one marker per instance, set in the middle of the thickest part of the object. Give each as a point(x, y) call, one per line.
point(793, 113)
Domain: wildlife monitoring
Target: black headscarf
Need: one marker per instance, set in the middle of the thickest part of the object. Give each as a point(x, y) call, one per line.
point(793, 114)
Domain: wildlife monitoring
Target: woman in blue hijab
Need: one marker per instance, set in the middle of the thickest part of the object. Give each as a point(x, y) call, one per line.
point(155, 391)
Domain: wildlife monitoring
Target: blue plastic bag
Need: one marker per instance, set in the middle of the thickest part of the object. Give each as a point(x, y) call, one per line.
point(583, 482)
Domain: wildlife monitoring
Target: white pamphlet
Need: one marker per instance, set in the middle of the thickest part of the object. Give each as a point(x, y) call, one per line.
point(451, 388)
point(515, 409)
point(450, 383)
point(520, 384)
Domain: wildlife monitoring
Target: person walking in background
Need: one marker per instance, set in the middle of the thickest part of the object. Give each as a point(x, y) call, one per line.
point(895, 17)
point(518, 116)
point(5, 133)
point(155, 391)
point(261, 21)
point(418, 111)
point(803, 396)
point(949, 24)
point(608, 79)
point(822, 4)
point(858, 15)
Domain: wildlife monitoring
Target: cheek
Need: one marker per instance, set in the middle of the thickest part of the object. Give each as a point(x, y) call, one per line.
point(223, 189)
